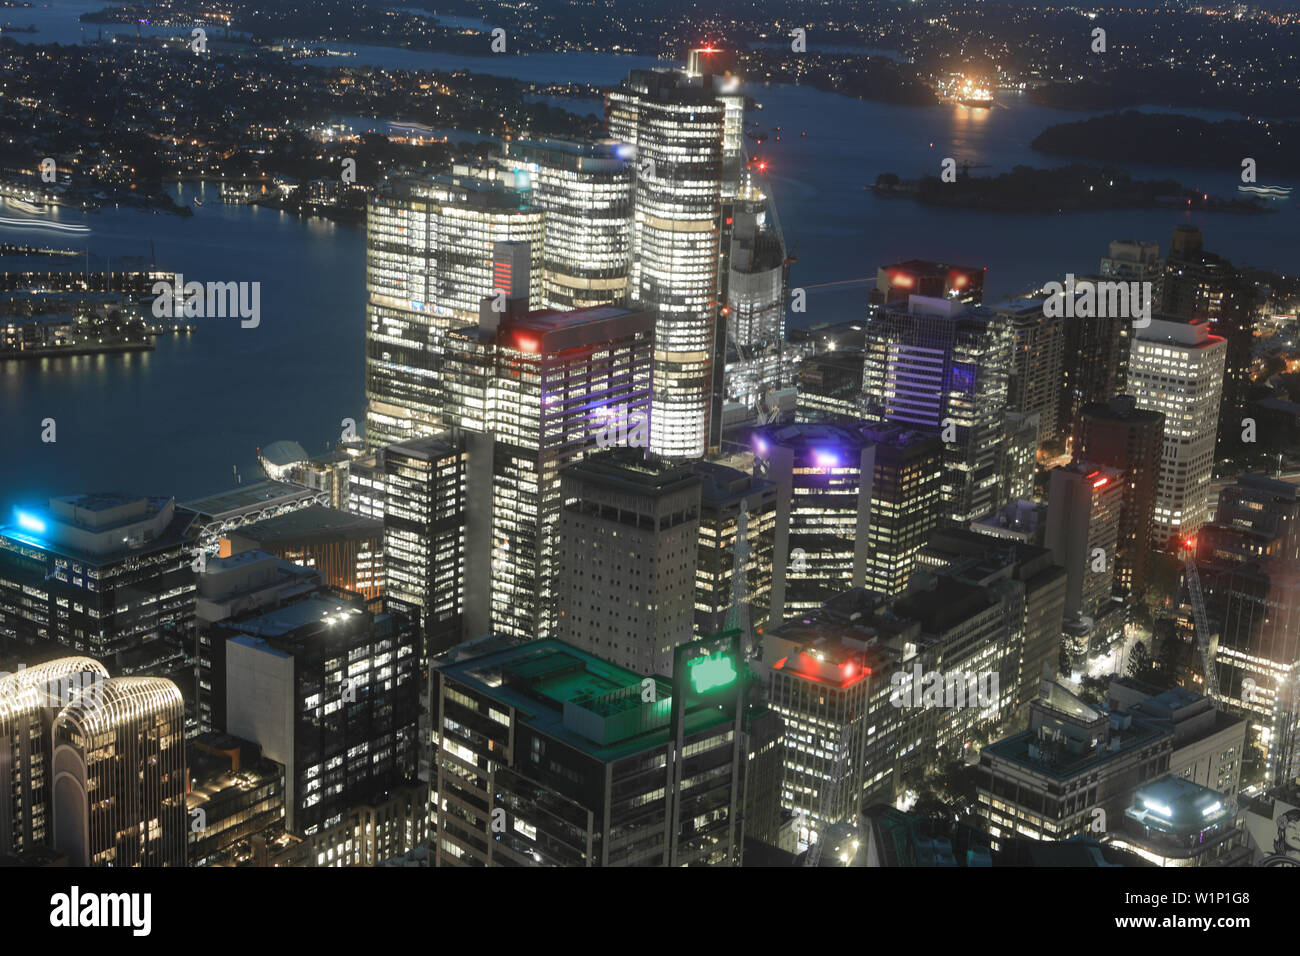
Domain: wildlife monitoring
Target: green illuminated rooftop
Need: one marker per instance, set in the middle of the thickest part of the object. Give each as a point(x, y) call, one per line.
point(587, 702)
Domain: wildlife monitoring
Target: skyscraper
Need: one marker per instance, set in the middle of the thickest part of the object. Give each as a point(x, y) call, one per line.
point(1248, 558)
point(328, 686)
point(1020, 455)
point(627, 551)
point(99, 574)
point(585, 193)
point(906, 500)
point(535, 391)
point(737, 526)
point(972, 555)
point(119, 776)
point(426, 506)
point(1083, 523)
point(1202, 285)
point(822, 678)
point(757, 272)
point(674, 123)
point(823, 476)
point(550, 756)
point(237, 586)
point(1131, 439)
point(1037, 353)
point(1176, 367)
point(29, 702)
point(1133, 259)
point(830, 387)
point(429, 262)
point(936, 280)
point(941, 366)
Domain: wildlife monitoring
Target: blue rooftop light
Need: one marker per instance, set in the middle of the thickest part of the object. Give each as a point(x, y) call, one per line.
point(29, 522)
point(826, 459)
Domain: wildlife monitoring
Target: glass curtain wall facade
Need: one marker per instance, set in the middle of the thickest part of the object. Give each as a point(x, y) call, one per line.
point(675, 123)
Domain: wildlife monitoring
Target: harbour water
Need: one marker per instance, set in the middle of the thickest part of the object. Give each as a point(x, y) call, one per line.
point(179, 419)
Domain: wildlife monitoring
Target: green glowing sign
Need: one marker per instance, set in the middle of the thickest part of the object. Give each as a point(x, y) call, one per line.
point(709, 672)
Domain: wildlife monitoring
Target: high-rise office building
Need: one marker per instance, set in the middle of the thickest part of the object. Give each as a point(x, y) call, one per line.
point(429, 263)
point(236, 585)
point(30, 699)
point(823, 475)
point(826, 681)
point(1083, 524)
point(758, 362)
point(1133, 260)
point(426, 503)
point(971, 555)
point(733, 576)
point(1202, 285)
point(585, 193)
point(1248, 558)
point(366, 486)
point(674, 122)
point(99, 574)
point(535, 391)
point(1020, 455)
point(1037, 354)
point(906, 499)
point(972, 616)
point(830, 387)
point(328, 686)
point(627, 552)
point(1095, 351)
point(756, 281)
point(1120, 435)
point(119, 776)
point(937, 280)
point(550, 756)
point(941, 366)
point(1176, 367)
point(721, 66)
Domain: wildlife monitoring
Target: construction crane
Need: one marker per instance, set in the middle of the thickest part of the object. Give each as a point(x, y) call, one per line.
point(1197, 599)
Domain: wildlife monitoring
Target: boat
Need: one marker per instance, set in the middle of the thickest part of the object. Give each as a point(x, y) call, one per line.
point(198, 201)
point(975, 96)
point(34, 208)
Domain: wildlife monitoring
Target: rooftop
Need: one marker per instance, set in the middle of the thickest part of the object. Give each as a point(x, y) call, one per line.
point(632, 470)
point(244, 497)
point(557, 689)
point(315, 523)
point(1171, 802)
point(283, 621)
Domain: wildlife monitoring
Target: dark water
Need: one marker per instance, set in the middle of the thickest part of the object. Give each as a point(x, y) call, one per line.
point(175, 421)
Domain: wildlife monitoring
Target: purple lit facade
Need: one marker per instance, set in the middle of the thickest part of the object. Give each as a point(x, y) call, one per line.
point(823, 476)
